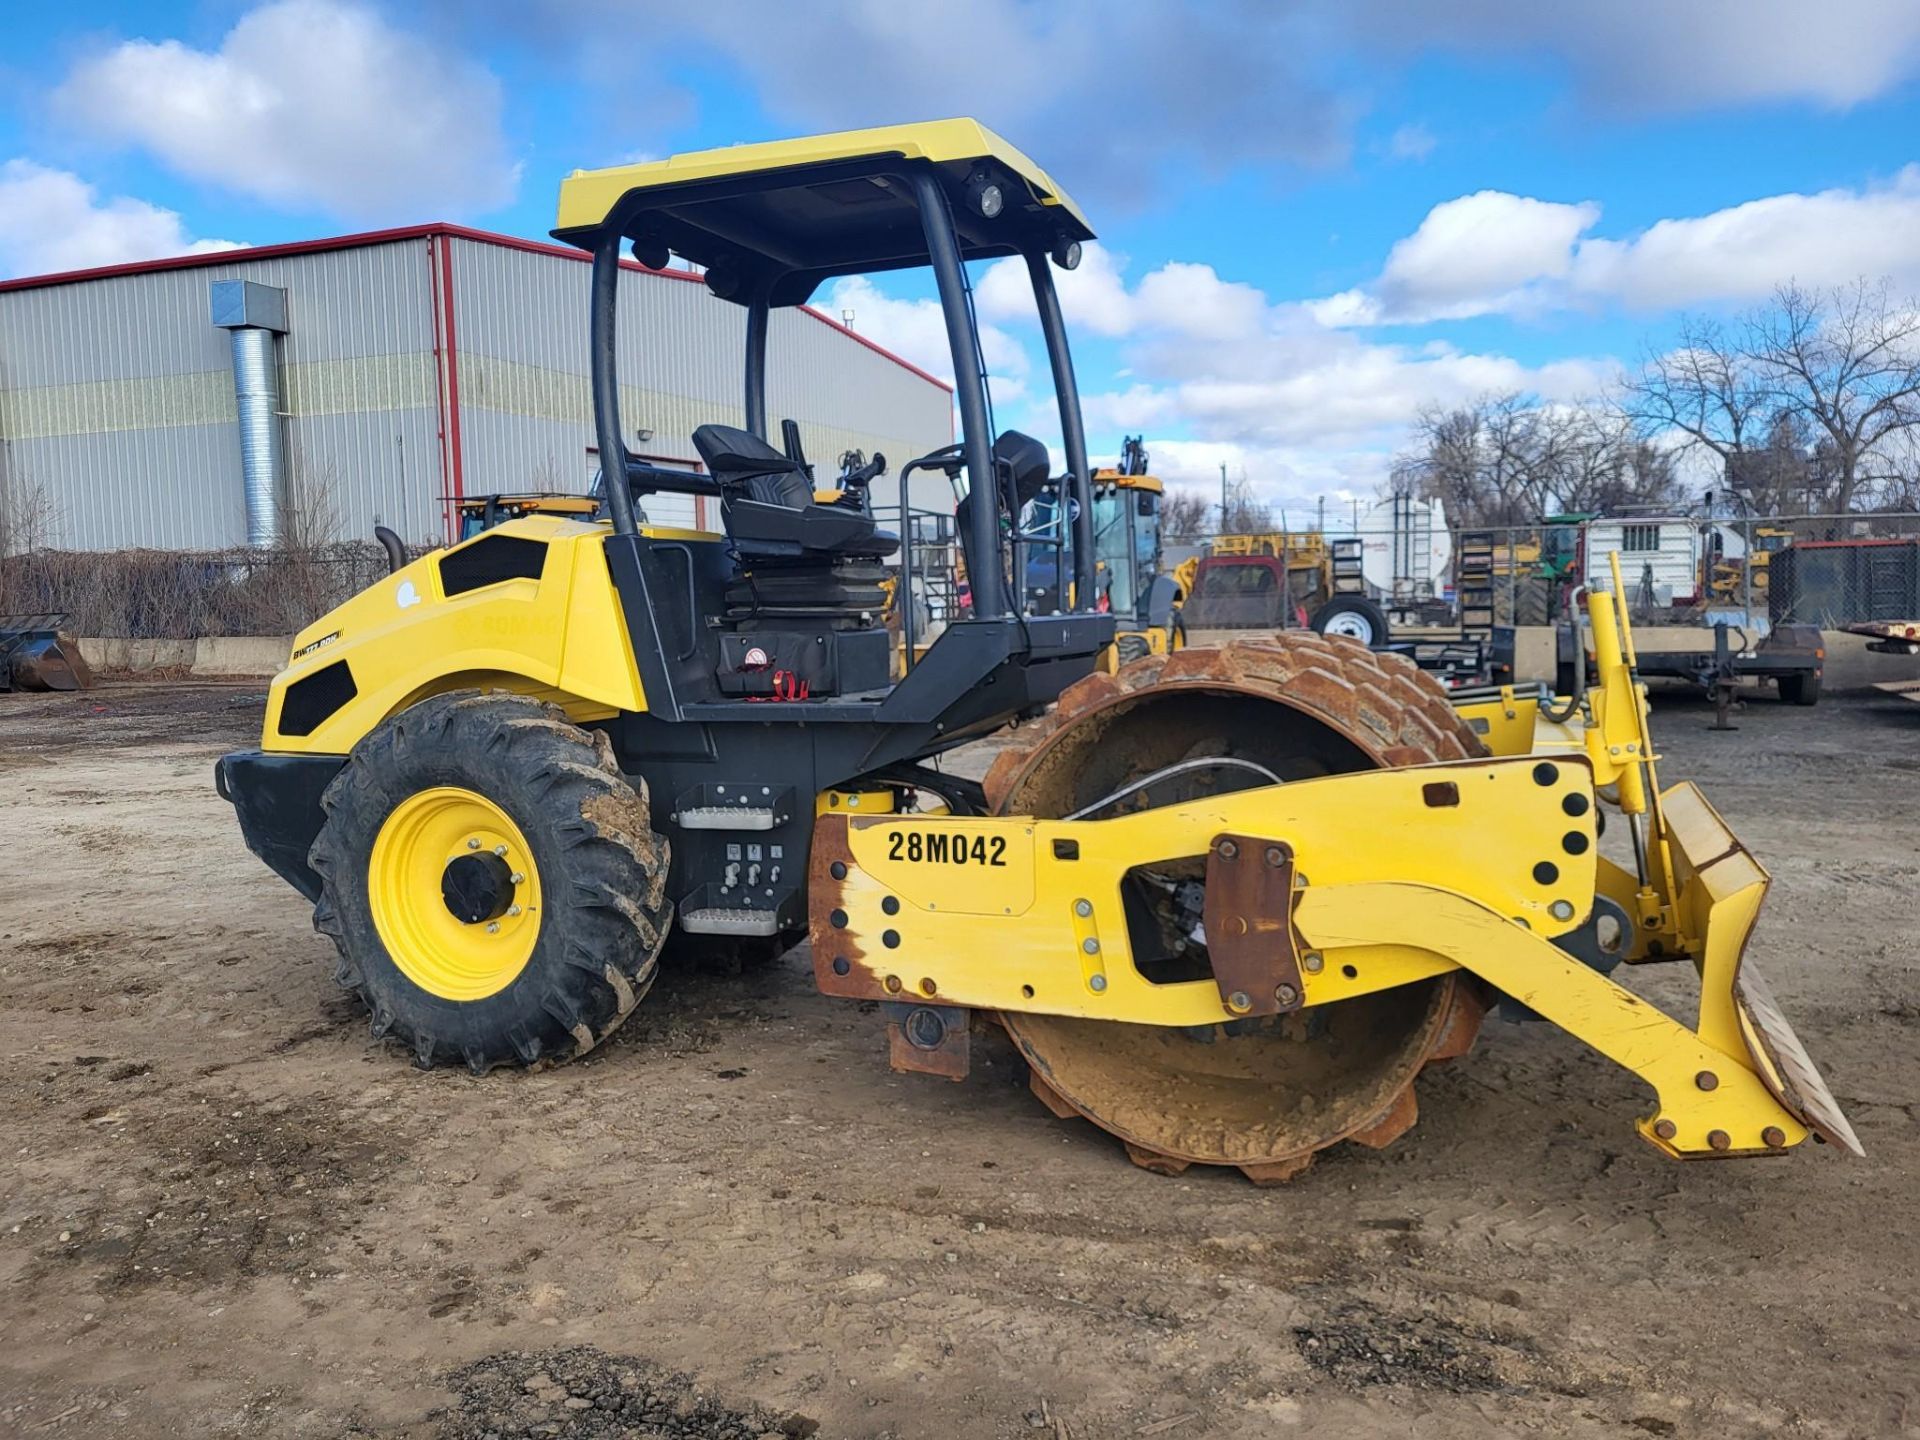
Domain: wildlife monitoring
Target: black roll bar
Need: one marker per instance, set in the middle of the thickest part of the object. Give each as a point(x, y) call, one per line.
point(985, 565)
point(1073, 434)
point(614, 459)
point(756, 396)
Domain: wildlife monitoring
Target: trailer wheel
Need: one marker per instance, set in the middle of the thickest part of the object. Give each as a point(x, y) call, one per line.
point(1355, 617)
point(1800, 689)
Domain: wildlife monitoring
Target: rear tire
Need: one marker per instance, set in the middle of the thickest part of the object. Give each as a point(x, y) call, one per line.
point(592, 879)
point(1800, 689)
point(1532, 601)
point(1130, 647)
point(1355, 617)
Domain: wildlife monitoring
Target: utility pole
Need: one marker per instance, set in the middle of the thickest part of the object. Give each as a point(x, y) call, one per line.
point(1223, 498)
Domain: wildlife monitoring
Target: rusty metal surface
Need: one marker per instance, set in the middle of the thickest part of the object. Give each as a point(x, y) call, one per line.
point(926, 1039)
point(1799, 1086)
point(1381, 703)
point(1248, 919)
point(1462, 1025)
point(1382, 706)
point(839, 961)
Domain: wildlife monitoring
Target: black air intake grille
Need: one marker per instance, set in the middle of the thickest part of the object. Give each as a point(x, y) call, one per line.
point(490, 560)
point(312, 699)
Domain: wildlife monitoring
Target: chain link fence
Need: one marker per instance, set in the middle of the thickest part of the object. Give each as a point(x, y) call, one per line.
point(186, 595)
point(1825, 570)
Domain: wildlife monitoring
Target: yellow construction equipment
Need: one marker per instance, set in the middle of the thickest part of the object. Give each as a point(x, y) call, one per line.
point(1228, 902)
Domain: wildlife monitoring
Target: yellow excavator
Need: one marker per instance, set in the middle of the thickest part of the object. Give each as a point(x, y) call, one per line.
point(1227, 902)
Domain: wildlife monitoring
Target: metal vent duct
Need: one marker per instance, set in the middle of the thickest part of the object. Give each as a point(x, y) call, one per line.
point(253, 315)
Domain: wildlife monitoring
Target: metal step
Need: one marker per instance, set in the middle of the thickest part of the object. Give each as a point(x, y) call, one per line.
point(731, 805)
point(726, 817)
point(729, 922)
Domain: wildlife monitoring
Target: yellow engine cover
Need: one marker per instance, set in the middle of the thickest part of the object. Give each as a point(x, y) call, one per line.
point(555, 631)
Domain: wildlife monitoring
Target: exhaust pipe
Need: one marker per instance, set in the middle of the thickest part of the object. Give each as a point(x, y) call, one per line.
point(395, 547)
point(253, 315)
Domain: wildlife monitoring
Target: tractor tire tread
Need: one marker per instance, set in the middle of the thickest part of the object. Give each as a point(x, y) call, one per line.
point(604, 877)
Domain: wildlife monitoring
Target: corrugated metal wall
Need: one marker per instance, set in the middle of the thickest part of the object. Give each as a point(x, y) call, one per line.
point(116, 394)
point(116, 400)
point(526, 414)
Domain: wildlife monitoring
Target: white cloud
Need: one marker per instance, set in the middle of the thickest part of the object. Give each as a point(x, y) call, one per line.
point(1744, 251)
point(1656, 55)
point(1493, 253)
point(307, 104)
point(1092, 295)
point(53, 220)
point(1110, 95)
point(1117, 96)
point(1217, 370)
point(1470, 256)
point(916, 330)
point(1178, 298)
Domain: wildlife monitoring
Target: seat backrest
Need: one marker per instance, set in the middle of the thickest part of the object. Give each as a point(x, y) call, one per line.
point(748, 467)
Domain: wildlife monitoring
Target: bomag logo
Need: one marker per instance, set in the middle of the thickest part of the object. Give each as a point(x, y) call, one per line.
point(320, 644)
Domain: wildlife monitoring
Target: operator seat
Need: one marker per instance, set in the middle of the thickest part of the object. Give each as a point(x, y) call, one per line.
point(768, 508)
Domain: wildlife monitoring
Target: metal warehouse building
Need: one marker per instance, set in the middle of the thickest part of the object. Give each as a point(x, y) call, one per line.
point(383, 376)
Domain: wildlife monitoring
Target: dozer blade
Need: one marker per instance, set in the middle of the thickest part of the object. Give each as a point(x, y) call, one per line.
point(1721, 887)
point(1784, 1064)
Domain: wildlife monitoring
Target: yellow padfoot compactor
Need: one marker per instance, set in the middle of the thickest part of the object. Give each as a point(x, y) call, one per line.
point(1228, 903)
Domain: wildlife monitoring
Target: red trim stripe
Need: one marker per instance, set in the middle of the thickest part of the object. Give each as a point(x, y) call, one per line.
point(449, 514)
point(440, 230)
point(457, 476)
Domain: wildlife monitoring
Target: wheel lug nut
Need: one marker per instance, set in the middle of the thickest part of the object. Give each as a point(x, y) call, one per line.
point(517, 878)
point(493, 927)
point(473, 844)
point(499, 849)
point(511, 910)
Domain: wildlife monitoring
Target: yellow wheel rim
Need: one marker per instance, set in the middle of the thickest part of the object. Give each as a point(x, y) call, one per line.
point(455, 894)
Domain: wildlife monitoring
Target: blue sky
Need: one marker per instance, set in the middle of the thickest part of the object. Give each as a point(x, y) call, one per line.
point(1316, 218)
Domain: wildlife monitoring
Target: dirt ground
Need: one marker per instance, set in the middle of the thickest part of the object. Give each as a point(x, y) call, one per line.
point(224, 1211)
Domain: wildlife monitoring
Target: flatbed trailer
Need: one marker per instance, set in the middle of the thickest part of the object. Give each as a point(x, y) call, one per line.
point(1890, 637)
point(1792, 656)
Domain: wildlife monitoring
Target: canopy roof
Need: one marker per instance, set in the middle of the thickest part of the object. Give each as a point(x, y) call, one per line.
point(782, 216)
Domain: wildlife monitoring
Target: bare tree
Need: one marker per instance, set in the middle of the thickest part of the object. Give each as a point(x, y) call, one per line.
point(1705, 389)
point(1505, 461)
point(1245, 513)
point(1849, 361)
point(310, 516)
point(29, 517)
point(1596, 461)
point(1809, 394)
point(1184, 514)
